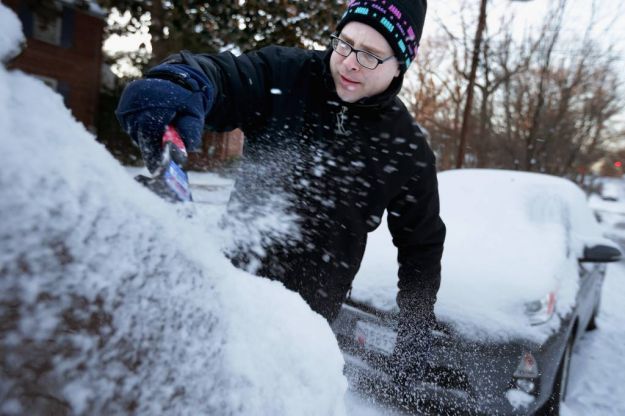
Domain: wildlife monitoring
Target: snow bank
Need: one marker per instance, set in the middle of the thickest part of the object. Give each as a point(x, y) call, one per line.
point(112, 302)
point(512, 238)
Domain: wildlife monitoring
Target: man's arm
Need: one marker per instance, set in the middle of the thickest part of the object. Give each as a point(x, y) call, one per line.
point(419, 234)
point(417, 229)
point(240, 86)
point(219, 91)
point(244, 87)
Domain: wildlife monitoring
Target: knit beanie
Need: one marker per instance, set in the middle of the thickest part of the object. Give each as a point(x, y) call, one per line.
point(399, 21)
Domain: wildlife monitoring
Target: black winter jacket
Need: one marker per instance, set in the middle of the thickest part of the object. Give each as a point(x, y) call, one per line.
point(335, 167)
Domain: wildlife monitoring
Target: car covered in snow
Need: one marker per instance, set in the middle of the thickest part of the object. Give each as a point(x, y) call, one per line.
point(609, 208)
point(523, 269)
point(115, 302)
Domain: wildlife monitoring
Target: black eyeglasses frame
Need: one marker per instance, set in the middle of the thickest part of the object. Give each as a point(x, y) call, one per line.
point(334, 42)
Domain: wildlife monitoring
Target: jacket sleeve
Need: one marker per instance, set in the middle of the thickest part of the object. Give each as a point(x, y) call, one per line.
point(418, 231)
point(243, 87)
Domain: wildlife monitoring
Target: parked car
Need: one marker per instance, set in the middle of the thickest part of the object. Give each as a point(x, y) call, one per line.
point(609, 208)
point(523, 268)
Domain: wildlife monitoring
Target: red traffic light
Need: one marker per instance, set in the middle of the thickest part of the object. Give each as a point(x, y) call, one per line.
point(618, 164)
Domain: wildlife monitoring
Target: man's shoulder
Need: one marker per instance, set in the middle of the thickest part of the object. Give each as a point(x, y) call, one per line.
point(407, 127)
point(288, 55)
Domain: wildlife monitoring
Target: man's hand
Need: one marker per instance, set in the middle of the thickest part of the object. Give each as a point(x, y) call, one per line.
point(148, 105)
point(410, 357)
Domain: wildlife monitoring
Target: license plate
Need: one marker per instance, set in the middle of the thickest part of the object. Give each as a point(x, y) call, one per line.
point(375, 337)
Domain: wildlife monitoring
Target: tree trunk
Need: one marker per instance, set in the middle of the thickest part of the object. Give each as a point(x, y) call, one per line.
point(469, 104)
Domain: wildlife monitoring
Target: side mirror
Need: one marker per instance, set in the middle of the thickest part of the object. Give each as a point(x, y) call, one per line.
point(601, 253)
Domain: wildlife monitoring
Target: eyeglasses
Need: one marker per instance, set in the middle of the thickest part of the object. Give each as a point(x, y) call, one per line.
point(364, 58)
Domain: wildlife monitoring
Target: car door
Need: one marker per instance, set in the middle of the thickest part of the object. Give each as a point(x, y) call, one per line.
point(590, 279)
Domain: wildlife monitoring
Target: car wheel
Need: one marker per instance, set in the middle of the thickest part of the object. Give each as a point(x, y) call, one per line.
point(560, 385)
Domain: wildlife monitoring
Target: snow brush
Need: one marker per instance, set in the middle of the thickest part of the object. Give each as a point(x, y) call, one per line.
point(169, 180)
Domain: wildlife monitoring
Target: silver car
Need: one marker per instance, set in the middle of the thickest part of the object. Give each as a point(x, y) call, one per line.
point(523, 269)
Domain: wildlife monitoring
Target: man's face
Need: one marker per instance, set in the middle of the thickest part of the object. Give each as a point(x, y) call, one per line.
point(353, 81)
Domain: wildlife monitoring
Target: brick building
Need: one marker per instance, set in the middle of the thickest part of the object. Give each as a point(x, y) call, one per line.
point(64, 49)
point(217, 149)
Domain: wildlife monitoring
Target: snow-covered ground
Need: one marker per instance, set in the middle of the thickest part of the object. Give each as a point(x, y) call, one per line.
point(598, 366)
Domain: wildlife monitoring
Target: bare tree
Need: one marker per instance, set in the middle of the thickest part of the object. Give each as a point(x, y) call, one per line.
point(544, 103)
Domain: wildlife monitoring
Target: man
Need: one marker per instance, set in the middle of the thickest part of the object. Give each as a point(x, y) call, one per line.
point(326, 131)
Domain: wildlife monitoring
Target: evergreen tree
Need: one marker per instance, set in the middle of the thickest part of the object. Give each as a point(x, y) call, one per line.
point(212, 26)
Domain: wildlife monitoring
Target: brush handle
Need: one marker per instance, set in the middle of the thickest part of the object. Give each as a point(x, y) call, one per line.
point(174, 146)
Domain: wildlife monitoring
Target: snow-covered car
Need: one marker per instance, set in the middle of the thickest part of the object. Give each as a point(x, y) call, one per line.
point(522, 274)
point(115, 302)
point(609, 208)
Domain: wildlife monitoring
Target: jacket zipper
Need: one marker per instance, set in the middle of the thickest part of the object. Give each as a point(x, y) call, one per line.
point(340, 119)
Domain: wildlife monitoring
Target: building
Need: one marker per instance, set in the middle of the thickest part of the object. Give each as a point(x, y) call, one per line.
point(218, 149)
point(64, 49)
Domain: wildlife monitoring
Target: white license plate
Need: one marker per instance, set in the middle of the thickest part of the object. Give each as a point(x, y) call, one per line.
point(375, 337)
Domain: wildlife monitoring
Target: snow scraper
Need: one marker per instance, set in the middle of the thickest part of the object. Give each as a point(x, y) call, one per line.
point(169, 180)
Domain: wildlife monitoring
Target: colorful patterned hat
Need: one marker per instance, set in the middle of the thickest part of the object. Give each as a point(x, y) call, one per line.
point(399, 21)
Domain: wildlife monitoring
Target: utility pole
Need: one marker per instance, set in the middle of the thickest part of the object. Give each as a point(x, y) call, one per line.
point(469, 104)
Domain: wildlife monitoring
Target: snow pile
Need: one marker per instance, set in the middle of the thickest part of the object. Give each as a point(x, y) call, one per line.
point(113, 303)
point(512, 238)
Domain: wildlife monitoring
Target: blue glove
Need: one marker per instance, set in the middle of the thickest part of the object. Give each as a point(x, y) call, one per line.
point(172, 94)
